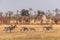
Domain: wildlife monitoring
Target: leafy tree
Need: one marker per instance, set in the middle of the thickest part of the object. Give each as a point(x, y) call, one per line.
point(24, 12)
point(40, 13)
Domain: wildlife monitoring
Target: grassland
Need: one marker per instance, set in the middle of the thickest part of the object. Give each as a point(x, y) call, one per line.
point(39, 34)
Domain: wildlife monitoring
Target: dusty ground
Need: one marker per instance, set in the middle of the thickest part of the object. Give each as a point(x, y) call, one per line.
point(38, 34)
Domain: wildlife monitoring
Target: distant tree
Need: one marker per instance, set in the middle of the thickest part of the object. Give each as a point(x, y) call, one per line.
point(35, 14)
point(17, 16)
point(40, 15)
point(1, 13)
point(1, 17)
point(57, 15)
point(30, 9)
point(24, 12)
point(18, 13)
point(49, 14)
point(31, 12)
point(10, 13)
point(57, 10)
point(6, 14)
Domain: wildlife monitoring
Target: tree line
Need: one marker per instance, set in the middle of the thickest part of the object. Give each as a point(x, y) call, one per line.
point(25, 15)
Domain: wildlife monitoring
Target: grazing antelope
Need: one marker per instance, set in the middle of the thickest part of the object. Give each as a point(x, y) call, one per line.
point(47, 28)
point(27, 29)
point(24, 29)
point(10, 28)
point(32, 29)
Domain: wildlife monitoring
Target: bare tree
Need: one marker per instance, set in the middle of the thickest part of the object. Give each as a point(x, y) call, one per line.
point(40, 15)
point(57, 15)
point(1, 14)
point(10, 13)
point(1, 17)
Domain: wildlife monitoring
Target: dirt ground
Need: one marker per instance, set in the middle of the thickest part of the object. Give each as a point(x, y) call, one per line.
point(16, 33)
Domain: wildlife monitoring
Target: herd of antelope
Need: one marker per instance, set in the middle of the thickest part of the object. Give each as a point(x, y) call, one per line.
point(24, 28)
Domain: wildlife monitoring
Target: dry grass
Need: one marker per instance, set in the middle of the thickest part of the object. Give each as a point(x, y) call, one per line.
point(39, 34)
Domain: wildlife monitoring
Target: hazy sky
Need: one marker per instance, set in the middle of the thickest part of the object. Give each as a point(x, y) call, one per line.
point(14, 5)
